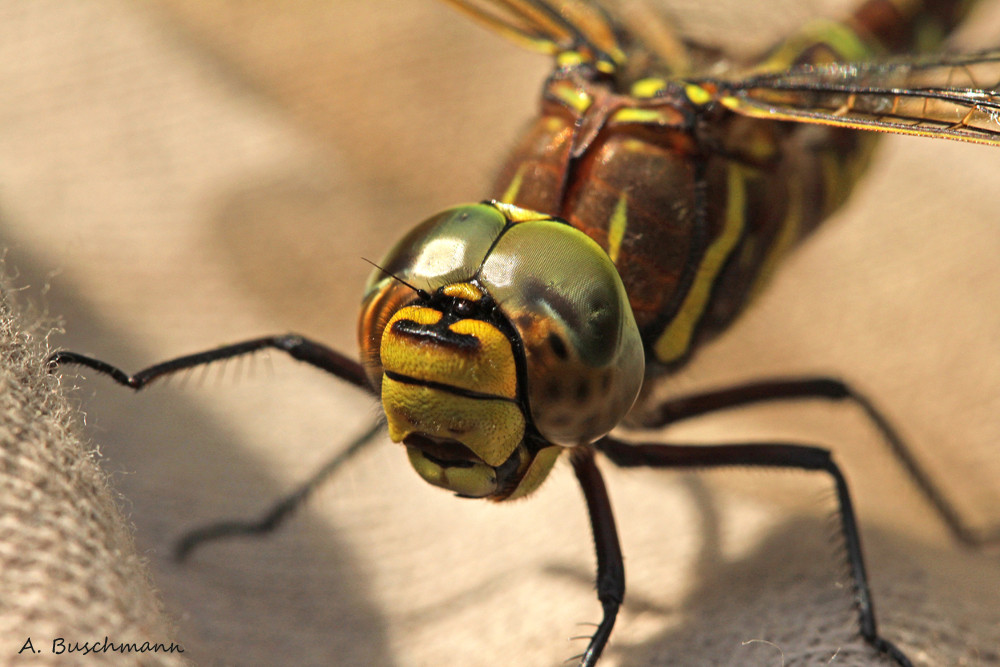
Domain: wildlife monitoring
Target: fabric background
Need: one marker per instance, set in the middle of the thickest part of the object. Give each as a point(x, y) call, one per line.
point(178, 174)
point(69, 572)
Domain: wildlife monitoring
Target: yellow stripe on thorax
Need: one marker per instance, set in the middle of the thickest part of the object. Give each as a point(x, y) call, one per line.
point(674, 342)
point(510, 194)
point(616, 230)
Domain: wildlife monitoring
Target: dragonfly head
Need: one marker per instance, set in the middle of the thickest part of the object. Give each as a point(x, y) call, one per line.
point(498, 337)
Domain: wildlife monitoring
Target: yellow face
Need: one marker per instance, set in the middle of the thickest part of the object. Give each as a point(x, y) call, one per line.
point(449, 389)
point(501, 337)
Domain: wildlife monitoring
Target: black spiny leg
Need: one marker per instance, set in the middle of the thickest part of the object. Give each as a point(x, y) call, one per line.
point(279, 511)
point(302, 349)
point(297, 347)
point(822, 388)
point(610, 566)
point(778, 455)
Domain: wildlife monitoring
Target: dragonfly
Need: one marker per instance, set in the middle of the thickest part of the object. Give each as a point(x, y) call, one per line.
point(504, 335)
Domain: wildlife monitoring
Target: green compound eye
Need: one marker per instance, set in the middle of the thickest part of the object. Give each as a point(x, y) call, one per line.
point(447, 248)
point(584, 356)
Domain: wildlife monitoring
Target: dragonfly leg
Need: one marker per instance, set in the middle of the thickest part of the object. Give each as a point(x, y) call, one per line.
point(819, 388)
point(610, 565)
point(778, 455)
point(280, 510)
point(302, 349)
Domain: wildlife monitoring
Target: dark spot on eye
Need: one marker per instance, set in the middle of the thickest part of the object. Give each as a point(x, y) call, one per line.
point(553, 391)
point(561, 419)
point(524, 321)
point(605, 381)
point(538, 292)
point(582, 390)
point(558, 346)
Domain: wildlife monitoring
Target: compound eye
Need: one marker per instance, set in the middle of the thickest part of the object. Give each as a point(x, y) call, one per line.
point(584, 356)
point(447, 248)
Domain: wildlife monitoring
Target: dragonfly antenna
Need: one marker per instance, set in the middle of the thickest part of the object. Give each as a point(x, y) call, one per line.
point(420, 292)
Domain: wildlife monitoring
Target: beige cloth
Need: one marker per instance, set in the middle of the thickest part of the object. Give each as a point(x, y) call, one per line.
point(176, 175)
point(71, 583)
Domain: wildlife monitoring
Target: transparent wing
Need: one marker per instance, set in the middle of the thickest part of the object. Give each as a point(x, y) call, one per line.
point(955, 97)
point(550, 27)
